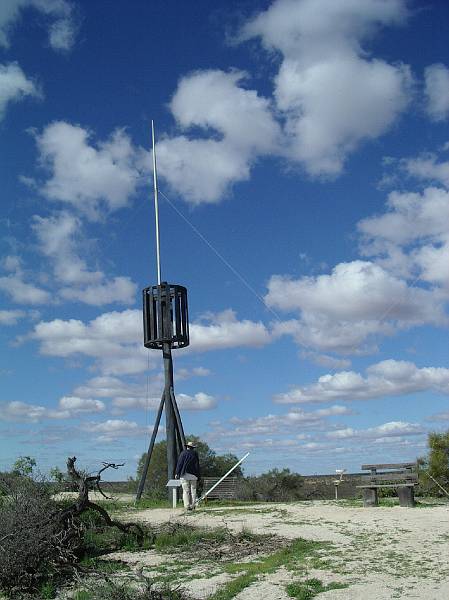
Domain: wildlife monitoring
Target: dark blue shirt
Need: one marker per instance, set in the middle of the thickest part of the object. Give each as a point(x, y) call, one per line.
point(188, 462)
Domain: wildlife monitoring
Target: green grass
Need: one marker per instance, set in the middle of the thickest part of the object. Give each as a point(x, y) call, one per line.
point(304, 590)
point(123, 590)
point(293, 556)
point(47, 590)
point(103, 566)
point(166, 541)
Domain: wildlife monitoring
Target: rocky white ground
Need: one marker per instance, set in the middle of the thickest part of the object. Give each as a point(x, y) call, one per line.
point(382, 553)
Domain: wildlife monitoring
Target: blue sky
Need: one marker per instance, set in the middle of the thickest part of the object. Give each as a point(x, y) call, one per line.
point(303, 158)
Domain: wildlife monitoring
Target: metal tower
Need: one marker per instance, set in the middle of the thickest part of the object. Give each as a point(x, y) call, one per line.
point(165, 326)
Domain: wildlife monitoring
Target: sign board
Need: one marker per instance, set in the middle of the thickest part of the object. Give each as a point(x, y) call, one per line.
point(173, 483)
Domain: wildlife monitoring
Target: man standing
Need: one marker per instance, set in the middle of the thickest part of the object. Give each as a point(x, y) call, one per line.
point(188, 470)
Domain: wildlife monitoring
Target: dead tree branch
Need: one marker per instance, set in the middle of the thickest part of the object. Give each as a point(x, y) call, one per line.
point(85, 484)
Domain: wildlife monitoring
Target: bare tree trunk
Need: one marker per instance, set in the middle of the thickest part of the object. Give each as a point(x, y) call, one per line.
point(85, 484)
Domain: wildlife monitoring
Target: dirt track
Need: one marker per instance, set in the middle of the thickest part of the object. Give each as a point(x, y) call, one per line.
point(382, 553)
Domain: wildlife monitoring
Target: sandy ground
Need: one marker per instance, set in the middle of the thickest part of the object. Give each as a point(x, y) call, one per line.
point(382, 553)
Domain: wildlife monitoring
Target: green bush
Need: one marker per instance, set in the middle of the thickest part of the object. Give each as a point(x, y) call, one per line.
point(34, 544)
point(211, 464)
point(435, 466)
point(274, 486)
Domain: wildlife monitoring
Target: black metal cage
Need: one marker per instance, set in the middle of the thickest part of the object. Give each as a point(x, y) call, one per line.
point(165, 316)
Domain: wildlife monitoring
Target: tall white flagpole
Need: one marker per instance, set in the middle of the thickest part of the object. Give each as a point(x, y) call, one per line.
point(156, 207)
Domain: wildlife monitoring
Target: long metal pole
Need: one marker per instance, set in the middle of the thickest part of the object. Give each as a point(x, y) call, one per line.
point(156, 207)
point(220, 480)
point(170, 420)
point(179, 426)
point(150, 449)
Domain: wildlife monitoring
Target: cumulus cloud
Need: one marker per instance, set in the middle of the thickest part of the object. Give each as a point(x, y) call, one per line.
point(62, 26)
point(428, 168)
point(120, 290)
point(23, 292)
point(113, 429)
point(199, 401)
point(203, 169)
point(92, 178)
point(437, 91)
point(146, 395)
point(393, 429)
point(292, 422)
point(114, 387)
point(68, 407)
point(224, 330)
point(340, 311)
point(10, 317)
point(59, 236)
point(411, 237)
point(76, 405)
point(14, 86)
point(384, 379)
point(114, 339)
point(320, 42)
point(325, 360)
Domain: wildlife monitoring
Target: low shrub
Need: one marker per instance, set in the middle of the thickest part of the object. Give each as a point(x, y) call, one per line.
point(123, 590)
point(34, 546)
point(274, 486)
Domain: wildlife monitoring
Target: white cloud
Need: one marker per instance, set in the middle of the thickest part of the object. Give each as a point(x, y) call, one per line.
point(61, 238)
point(384, 379)
point(68, 407)
point(62, 28)
point(224, 330)
point(340, 311)
point(14, 86)
point(23, 292)
point(199, 401)
point(112, 387)
point(327, 116)
point(90, 178)
point(437, 91)
point(202, 170)
point(410, 216)
point(412, 237)
point(296, 419)
point(20, 411)
point(76, 405)
point(113, 429)
point(114, 338)
point(393, 429)
point(443, 416)
point(145, 395)
point(324, 360)
point(11, 263)
point(10, 317)
point(428, 167)
point(120, 290)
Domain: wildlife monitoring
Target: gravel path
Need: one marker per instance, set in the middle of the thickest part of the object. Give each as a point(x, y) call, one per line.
point(381, 553)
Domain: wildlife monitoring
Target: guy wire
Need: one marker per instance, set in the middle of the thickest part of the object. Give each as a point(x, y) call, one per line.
point(221, 257)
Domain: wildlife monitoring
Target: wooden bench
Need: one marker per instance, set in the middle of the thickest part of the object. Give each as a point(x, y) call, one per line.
point(225, 491)
point(401, 476)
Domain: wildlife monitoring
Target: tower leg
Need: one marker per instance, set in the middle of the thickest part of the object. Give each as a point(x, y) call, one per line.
point(170, 421)
point(179, 427)
point(150, 449)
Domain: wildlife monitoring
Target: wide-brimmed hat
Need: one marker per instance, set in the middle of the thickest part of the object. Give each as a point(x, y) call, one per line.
point(190, 445)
